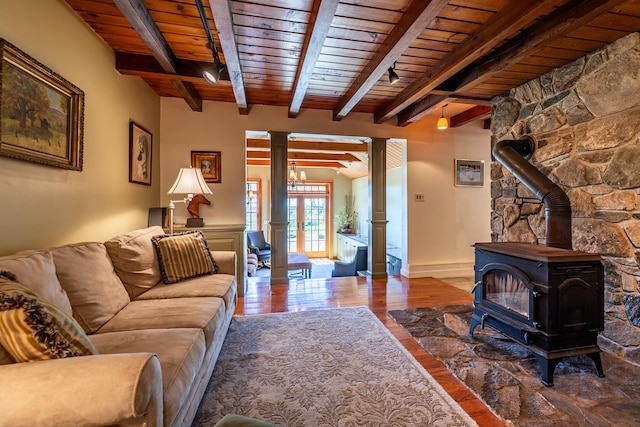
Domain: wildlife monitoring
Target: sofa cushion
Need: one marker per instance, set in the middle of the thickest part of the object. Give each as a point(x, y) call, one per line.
point(134, 259)
point(32, 329)
point(5, 357)
point(180, 362)
point(217, 285)
point(183, 256)
point(87, 275)
point(36, 271)
point(203, 313)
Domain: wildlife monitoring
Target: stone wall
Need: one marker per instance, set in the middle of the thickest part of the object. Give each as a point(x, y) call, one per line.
point(585, 118)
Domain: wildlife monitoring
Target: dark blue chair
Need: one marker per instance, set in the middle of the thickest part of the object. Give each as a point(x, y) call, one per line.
point(358, 263)
point(258, 245)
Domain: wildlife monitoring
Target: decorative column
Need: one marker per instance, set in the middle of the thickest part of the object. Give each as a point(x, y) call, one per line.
point(377, 252)
point(279, 220)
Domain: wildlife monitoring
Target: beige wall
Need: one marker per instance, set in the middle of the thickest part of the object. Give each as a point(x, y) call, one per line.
point(44, 206)
point(439, 232)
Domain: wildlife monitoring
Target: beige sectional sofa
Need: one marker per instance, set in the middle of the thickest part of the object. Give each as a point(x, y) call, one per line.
point(157, 343)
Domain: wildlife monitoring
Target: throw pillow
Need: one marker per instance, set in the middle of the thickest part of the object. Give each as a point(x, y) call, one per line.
point(32, 329)
point(183, 256)
point(134, 259)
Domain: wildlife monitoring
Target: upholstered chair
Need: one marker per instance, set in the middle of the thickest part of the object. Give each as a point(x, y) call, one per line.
point(358, 263)
point(259, 246)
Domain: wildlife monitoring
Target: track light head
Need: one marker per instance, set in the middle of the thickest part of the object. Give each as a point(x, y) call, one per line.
point(212, 73)
point(393, 77)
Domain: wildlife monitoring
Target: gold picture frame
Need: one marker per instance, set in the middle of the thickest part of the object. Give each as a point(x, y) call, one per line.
point(469, 173)
point(209, 163)
point(41, 113)
point(140, 160)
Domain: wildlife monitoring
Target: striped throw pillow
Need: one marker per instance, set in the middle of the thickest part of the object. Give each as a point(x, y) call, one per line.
point(183, 255)
point(32, 329)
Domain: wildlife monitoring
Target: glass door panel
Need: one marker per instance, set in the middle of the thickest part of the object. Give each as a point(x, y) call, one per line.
point(315, 226)
point(307, 228)
point(292, 228)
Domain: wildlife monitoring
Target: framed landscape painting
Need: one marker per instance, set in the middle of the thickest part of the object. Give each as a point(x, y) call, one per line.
point(209, 164)
point(41, 113)
point(469, 173)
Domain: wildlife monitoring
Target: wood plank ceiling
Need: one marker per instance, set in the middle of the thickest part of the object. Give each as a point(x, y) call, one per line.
point(335, 54)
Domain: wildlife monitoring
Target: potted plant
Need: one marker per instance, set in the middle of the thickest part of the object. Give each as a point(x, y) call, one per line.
point(347, 217)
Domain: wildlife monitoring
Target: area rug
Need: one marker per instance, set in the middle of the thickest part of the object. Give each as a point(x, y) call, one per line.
point(333, 367)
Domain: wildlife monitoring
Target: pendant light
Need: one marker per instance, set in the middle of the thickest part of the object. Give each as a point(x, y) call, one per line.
point(443, 122)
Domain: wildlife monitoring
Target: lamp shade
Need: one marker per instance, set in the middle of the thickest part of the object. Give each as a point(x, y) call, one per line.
point(190, 181)
point(443, 123)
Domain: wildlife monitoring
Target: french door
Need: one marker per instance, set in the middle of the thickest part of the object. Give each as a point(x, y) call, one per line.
point(308, 222)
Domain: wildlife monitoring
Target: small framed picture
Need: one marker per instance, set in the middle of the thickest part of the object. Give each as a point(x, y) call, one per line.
point(209, 163)
point(469, 173)
point(140, 143)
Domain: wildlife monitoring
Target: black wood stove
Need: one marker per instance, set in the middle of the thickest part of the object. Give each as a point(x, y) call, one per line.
point(549, 299)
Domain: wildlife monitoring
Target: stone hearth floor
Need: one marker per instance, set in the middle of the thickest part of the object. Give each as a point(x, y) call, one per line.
point(505, 375)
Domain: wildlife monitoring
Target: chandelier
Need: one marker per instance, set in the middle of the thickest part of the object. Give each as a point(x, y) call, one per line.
point(293, 176)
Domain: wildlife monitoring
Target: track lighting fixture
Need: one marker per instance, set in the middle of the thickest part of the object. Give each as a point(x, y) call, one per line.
point(443, 122)
point(210, 73)
point(393, 77)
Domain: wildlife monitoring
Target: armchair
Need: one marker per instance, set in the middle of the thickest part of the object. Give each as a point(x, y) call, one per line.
point(359, 262)
point(259, 246)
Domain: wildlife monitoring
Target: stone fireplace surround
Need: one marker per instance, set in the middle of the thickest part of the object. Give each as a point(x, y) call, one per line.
point(585, 118)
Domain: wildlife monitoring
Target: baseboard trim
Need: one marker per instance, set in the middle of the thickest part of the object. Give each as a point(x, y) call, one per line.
point(456, 269)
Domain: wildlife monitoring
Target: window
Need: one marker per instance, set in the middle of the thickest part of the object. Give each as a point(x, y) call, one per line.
point(254, 201)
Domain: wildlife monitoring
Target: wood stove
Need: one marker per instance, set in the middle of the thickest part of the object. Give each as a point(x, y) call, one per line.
point(547, 298)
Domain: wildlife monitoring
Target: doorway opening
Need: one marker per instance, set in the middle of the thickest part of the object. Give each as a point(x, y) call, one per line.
point(309, 219)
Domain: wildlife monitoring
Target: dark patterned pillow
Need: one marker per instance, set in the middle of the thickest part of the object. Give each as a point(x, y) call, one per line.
point(32, 329)
point(183, 255)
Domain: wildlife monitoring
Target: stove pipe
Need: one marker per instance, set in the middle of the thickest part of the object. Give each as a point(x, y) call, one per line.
point(513, 155)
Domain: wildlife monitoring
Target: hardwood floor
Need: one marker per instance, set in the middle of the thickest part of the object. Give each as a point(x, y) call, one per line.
point(396, 292)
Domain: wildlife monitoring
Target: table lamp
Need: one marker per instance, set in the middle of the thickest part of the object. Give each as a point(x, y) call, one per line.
point(190, 182)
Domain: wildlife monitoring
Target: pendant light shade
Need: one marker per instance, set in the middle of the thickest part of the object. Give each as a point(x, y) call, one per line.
point(443, 122)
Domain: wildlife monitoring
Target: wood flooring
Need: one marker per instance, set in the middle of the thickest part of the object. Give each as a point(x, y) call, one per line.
point(379, 295)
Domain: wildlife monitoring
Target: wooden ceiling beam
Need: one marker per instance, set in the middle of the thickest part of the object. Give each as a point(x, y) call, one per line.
point(423, 107)
point(147, 66)
point(224, 24)
point(420, 109)
point(299, 164)
point(514, 16)
point(137, 14)
point(304, 155)
point(478, 112)
point(565, 19)
point(320, 146)
point(314, 40)
point(413, 22)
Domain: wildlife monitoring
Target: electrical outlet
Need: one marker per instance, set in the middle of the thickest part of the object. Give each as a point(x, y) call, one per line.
point(419, 197)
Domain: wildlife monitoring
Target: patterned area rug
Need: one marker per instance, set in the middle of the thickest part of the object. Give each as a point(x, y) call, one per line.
point(334, 367)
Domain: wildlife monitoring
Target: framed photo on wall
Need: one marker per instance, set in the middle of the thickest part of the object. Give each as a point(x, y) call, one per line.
point(209, 163)
point(469, 173)
point(140, 143)
point(41, 113)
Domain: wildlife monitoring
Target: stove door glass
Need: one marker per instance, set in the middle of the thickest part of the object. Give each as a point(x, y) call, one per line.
point(507, 290)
